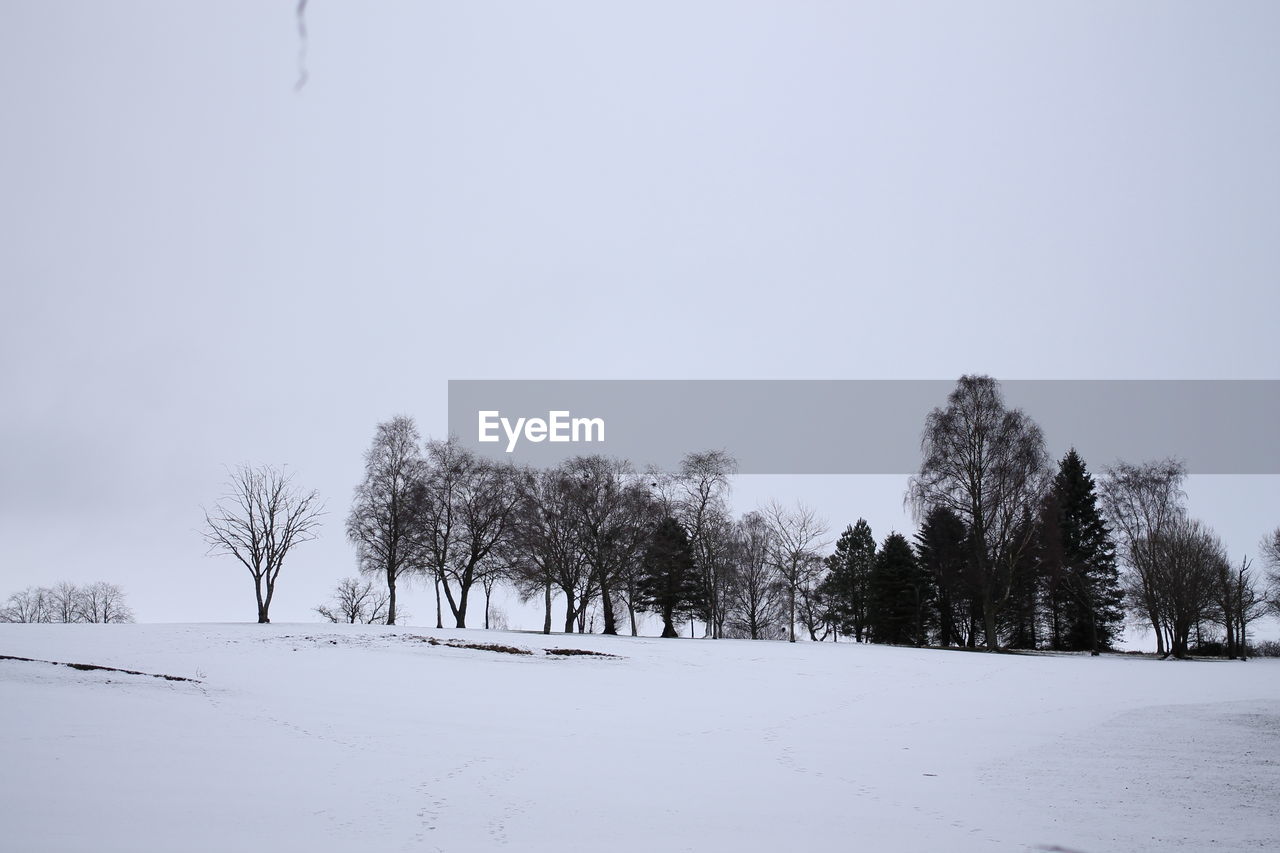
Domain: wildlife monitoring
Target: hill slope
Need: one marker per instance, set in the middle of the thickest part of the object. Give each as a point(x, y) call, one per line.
point(309, 737)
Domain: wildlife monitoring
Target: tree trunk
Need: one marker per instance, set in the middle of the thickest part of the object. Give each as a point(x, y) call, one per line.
point(439, 613)
point(606, 602)
point(668, 623)
point(989, 622)
point(257, 591)
point(461, 610)
point(791, 630)
point(569, 613)
point(546, 620)
point(391, 598)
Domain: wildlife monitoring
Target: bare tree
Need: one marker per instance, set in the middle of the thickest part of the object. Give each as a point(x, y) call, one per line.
point(1187, 557)
point(29, 605)
point(64, 600)
point(104, 603)
point(356, 602)
point(795, 551)
point(1239, 603)
point(1271, 555)
point(259, 521)
point(543, 551)
point(613, 516)
point(988, 465)
point(697, 496)
point(470, 508)
point(755, 599)
point(1141, 503)
point(387, 519)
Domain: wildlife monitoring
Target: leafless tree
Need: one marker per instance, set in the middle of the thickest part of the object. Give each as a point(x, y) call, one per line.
point(64, 602)
point(470, 508)
point(612, 516)
point(1238, 602)
point(755, 599)
point(543, 552)
point(1187, 557)
point(812, 609)
point(1141, 503)
point(259, 521)
point(29, 605)
point(489, 579)
point(795, 551)
point(698, 498)
point(104, 603)
point(988, 465)
point(387, 519)
point(1271, 555)
point(355, 602)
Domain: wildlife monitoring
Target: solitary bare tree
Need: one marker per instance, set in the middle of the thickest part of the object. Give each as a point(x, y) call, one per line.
point(259, 520)
point(988, 465)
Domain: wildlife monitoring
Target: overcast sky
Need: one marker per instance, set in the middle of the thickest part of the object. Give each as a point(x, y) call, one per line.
point(201, 266)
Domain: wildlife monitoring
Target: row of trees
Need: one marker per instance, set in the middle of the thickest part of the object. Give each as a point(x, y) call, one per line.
point(1010, 551)
point(593, 531)
point(99, 602)
point(1043, 552)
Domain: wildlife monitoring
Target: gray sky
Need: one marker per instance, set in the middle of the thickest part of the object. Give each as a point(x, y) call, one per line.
point(201, 266)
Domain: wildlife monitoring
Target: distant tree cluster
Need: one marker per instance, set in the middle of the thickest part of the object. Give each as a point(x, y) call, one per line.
point(356, 602)
point(100, 602)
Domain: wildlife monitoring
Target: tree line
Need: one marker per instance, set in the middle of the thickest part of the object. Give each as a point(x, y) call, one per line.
point(100, 603)
point(1011, 550)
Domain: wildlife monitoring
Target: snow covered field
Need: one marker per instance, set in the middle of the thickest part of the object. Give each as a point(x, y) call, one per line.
point(316, 738)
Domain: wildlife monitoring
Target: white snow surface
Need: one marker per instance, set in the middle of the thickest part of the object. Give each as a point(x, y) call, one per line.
point(334, 737)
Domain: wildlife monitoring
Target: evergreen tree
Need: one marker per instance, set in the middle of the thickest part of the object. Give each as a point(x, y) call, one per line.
point(845, 588)
point(942, 551)
point(1021, 616)
point(900, 595)
point(668, 584)
point(1077, 542)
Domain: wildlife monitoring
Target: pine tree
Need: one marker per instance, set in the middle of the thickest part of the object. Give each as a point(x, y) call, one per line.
point(900, 595)
point(1021, 615)
point(845, 588)
point(1078, 542)
point(942, 551)
point(668, 584)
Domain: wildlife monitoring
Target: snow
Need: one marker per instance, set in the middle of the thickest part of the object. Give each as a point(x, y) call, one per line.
point(320, 737)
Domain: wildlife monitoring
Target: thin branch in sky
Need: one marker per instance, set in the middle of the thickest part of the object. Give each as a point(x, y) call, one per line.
point(302, 46)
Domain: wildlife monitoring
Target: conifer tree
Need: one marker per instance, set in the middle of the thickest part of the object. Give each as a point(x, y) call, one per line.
point(668, 585)
point(900, 595)
point(942, 550)
point(845, 588)
point(1079, 542)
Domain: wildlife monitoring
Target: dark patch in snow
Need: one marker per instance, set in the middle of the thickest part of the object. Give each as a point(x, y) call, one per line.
point(86, 667)
point(571, 652)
